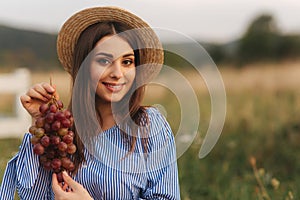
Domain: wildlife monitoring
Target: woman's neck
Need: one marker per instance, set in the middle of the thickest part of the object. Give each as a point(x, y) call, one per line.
point(107, 116)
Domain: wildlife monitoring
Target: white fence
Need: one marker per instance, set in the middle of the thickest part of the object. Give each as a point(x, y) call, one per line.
point(17, 84)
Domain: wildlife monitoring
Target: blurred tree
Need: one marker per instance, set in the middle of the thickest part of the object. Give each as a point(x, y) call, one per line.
point(289, 47)
point(30, 49)
point(260, 41)
point(217, 53)
point(263, 24)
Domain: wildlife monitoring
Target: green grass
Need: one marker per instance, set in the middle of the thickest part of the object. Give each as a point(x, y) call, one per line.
point(8, 148)
point(265, 125)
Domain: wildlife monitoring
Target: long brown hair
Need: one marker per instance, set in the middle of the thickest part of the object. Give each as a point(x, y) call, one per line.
point(133, 98)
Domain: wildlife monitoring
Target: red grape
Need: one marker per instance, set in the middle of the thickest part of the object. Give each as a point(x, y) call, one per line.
point(71, 133)
point(56, 163)
point(66, 123)
point(47, 127)
point(53, 108)
point(56, 125)
point(55, 140)
point(71, 167)
point(59, 177)
point(65, 162)
point(40, 122)
point(59, 115)
point(34, 140)
point(60, 104)
point(44, 108)
point(38, 149)
point(62, 131)
point(71, 148)
point(50, 117)
point(45, 141)
point(62, 146)
point(32, 129)
point(68, 139)
point(39, 132)
point(71, 120)
point(67, 113)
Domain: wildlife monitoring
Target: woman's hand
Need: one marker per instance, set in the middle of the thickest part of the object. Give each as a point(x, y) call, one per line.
point(71, 190)
point(38, 94)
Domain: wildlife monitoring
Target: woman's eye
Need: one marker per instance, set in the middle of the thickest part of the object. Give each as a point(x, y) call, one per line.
point(103, 61)
point(127, 62)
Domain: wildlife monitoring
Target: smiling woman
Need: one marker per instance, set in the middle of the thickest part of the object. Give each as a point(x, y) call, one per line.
point(124, 150)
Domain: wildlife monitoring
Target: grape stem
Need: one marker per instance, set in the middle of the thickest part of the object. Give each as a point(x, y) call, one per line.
point(53, 99)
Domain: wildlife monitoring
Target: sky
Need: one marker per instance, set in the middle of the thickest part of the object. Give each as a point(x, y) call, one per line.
point(207, 20)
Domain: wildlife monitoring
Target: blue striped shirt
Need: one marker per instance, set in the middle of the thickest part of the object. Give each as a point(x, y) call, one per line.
point(108, 173)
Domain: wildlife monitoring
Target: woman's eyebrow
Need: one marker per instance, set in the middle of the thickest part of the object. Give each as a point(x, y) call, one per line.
point(111, 56)
point(127, 55)
point(104, 54)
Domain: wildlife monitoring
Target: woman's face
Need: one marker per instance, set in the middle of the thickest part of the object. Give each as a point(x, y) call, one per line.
point(112, 68)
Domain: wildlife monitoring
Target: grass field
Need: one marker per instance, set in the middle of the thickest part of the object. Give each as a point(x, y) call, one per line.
point(262, 123)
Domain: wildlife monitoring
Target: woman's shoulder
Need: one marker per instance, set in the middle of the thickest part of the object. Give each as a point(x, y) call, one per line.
point(158, 124)
point(154, 114)
point(152, 110)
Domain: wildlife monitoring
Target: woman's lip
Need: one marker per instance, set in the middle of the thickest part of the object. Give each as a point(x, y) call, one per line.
point(114, 87)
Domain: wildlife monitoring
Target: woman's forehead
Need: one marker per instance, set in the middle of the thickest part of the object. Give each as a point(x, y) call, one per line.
point(113, 45)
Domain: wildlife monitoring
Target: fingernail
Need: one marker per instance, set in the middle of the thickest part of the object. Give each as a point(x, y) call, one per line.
point(65, 173)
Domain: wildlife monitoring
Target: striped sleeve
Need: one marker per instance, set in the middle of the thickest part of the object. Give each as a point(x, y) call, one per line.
point(162, 172)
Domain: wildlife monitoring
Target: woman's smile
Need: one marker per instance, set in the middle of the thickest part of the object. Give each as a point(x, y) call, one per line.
point(114, 87)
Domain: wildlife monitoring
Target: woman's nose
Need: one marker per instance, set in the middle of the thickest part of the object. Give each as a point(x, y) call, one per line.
point(116, 70)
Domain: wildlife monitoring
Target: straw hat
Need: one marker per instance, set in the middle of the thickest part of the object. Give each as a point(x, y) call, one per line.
point(151, 52)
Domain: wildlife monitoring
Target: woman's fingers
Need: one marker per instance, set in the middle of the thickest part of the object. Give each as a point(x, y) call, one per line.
point(70, 182)
point(42, 92)
point(25, 99)
point(55, 185)
point(71, 190)
point(58, 187)
point(43, 89)
point(50, 89)
point(37, 94)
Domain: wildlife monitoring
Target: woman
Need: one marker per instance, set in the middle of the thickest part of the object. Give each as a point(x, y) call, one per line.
point(124, 150)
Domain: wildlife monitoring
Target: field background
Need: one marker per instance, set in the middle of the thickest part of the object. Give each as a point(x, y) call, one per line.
point(262, 123)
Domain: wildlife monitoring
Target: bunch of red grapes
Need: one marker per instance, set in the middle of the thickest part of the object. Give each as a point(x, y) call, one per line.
point(53, 138)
